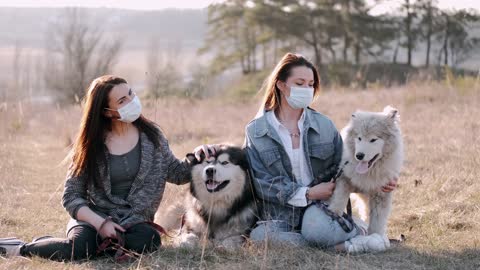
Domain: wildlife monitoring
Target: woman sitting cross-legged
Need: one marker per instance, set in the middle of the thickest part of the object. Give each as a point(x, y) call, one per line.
point(120, 164)
point(294, 152)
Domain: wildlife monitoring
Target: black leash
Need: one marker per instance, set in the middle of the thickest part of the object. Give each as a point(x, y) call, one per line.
point(341, 220)
point(339, 173)
point(345, 216)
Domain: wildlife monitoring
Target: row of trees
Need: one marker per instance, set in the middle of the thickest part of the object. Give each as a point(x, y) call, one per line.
point(245, 32)
point(251, 35)
point(425, 22)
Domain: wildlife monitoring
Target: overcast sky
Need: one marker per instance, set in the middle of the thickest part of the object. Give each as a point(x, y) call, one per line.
point(161, 4)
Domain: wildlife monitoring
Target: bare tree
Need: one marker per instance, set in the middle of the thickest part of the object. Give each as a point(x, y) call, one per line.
point(201, 84)
point(21, 81)
point(77, 52)
point(17, 57)
point(163, 76)
point(3, 93)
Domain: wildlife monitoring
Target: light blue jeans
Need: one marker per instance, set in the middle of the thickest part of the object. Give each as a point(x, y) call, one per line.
point(317, 229)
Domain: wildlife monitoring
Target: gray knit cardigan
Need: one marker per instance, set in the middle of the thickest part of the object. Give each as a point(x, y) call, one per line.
point(157, 166)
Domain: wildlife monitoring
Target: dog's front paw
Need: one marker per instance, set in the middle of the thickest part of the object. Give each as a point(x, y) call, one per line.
point(231, 243)
point(189, 240)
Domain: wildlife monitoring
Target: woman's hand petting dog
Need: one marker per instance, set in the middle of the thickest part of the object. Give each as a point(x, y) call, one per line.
point(322, 191)
point(391, 186)
point(207, 149)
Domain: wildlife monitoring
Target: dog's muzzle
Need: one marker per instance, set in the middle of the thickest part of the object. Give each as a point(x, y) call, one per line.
point(215, 186)
point(211, 183)
point(363, 166)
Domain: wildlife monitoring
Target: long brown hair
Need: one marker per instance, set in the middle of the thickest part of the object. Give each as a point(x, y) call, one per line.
point(89, 146)
point(271, 98)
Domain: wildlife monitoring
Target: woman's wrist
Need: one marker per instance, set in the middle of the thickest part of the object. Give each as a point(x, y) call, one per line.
point(105, 221)
point(97, 223)
point(307, 194)
point(92, 218)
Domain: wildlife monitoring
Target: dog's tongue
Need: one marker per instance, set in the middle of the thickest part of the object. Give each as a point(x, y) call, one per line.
point(212, 184)
point(362, 167)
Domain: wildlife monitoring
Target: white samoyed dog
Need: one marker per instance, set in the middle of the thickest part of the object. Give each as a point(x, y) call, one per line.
point(372, 156)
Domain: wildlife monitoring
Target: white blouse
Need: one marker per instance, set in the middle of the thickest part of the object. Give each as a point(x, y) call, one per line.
point(300, 168)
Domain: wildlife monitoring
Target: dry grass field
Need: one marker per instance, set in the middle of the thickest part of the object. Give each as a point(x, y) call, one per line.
point(437, 205)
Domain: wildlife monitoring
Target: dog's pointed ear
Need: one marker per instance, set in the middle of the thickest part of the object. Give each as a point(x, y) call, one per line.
point(190, 158)
point(356, 114)
point(244, 164)
point(391, 112)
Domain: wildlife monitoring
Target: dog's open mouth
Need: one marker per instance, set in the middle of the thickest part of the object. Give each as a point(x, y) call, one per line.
point(215, 186)
point(364, 166)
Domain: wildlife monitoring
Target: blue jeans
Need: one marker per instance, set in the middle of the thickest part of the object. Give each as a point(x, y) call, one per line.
point(317, 229)
point(276, 231)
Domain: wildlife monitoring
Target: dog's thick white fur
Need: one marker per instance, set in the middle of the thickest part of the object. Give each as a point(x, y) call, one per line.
point(220, 204)
point(373, 148)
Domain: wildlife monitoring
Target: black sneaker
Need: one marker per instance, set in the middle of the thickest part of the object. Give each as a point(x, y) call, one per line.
point(41, 238)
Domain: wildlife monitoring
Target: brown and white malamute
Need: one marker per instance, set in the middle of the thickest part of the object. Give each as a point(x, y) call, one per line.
point(220, 205)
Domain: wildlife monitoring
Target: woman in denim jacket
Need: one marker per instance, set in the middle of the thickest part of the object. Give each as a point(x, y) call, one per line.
point(294, 152)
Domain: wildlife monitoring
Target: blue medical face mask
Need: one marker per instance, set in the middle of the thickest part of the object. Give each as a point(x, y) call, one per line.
point(300, 97)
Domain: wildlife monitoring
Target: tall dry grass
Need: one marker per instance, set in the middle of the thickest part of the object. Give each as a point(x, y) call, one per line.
point(436, 205)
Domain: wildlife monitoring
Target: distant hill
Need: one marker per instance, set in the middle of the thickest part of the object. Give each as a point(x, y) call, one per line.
point(188, 26)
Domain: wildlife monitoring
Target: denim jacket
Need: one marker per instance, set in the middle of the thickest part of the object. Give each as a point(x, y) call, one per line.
point(271, 168)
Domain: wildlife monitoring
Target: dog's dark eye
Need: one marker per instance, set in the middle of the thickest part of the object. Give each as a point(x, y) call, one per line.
point(373, 140)
point(359, 138)
point(224, 162)
point(208, 161)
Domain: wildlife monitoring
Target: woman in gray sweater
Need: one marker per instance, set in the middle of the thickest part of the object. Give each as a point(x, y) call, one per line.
point(121, 162)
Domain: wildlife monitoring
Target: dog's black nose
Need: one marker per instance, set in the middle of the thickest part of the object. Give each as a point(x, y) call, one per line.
point(360, 156)
point(210, 172)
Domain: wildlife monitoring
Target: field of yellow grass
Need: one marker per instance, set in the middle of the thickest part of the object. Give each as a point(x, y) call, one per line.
point(437, 205)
